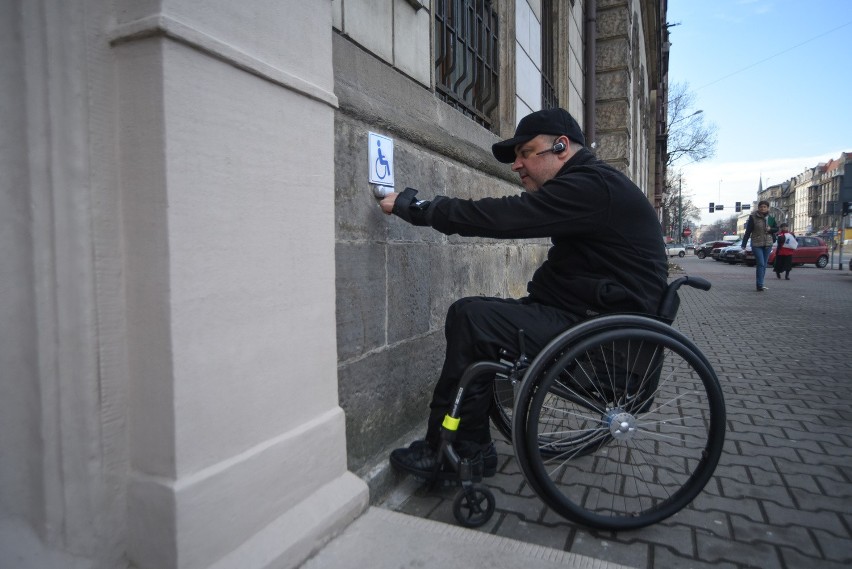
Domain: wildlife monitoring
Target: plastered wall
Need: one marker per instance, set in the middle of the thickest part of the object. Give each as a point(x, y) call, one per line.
point(169, 349)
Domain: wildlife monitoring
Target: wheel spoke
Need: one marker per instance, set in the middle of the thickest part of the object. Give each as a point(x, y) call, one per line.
point(623, 428)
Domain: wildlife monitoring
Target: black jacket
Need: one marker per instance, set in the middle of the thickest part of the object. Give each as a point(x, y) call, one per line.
point(607, 254)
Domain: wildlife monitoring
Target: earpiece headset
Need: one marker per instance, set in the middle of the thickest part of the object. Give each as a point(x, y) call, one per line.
point(556, 149)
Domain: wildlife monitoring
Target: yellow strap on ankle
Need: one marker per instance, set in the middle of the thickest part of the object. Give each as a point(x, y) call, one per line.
point(450, 423)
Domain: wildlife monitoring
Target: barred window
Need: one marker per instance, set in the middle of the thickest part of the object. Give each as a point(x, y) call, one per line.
point(466, 57)
point(549, 98)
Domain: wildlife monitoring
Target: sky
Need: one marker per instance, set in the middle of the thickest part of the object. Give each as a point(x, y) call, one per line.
point(774, 77)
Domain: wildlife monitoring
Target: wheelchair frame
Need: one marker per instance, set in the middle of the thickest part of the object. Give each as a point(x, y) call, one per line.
point(618, 423)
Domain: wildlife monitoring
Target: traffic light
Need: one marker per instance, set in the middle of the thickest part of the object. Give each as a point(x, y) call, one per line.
point(847, 206)
point(712, 208)
point(738, 207)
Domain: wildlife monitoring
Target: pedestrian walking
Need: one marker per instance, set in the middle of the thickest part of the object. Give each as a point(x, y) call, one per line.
point(787, 243)
point(761, 228)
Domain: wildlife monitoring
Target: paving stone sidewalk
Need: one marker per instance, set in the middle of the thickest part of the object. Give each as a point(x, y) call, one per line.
point(781, 496)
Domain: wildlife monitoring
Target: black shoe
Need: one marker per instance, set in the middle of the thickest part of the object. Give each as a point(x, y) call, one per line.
point(786, 278)
point(778, 275)
point(486, 452)
point(467, 450)
point(419, 460)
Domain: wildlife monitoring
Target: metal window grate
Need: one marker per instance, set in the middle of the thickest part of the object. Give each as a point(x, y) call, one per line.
point(549, 98)
point(466, 57)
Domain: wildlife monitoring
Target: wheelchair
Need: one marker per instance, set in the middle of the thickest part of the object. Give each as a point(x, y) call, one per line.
point(617, 424)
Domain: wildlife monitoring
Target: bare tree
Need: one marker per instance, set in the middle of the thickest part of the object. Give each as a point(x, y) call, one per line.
point(679, 212)
point(689, 140)
point(689, 137)
point(720, 228)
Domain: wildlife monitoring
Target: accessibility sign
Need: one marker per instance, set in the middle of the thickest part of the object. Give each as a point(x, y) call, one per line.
point(381, 159)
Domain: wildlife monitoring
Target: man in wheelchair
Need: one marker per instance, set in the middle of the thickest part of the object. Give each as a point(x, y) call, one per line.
point(606, 256)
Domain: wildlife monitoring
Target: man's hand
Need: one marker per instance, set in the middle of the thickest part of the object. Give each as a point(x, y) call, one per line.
point(407, 207)
point(387, 202)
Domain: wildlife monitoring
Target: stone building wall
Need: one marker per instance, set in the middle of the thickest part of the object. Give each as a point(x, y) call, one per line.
point(626, 111)
point(395, 282)
point(204, 309)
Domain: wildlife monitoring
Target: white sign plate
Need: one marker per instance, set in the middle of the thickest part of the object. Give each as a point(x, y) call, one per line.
point(381, 159)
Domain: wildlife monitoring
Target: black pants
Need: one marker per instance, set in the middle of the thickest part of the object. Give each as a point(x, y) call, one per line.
point(476, 329)
point(783, 264)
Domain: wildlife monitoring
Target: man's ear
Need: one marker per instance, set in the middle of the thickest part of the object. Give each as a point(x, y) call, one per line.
point(568, 151)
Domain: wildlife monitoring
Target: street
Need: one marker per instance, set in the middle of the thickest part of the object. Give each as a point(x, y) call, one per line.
point(781, 496)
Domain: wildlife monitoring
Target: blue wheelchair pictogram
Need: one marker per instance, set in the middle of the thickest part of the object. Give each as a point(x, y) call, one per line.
point(380, 159)
point(381, 163)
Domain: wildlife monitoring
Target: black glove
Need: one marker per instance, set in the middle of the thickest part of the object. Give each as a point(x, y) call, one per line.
point(411, 209)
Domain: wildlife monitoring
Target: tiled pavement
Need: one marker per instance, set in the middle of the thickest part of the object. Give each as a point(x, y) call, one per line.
point(781, 496)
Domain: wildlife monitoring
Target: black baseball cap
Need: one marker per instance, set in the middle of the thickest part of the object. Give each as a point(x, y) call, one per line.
point(549, 121)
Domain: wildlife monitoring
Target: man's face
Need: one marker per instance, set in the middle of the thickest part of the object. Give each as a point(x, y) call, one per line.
point(535, 169)
point(763, 208)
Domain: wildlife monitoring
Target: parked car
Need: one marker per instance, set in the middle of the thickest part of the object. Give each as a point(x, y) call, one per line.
point(716, 253)
point(810, 250)
point(733, 254)
point(673, 249)
point(705, 249)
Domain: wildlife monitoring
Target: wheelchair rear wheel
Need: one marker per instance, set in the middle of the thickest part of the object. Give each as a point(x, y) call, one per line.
point(620, 428)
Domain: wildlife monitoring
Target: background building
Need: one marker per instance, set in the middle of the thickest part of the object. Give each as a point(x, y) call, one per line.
point(815, 199)
point(810, 202)
point(197, 280)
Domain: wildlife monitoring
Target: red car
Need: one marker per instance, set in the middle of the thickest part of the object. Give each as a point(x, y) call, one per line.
point(810, 250)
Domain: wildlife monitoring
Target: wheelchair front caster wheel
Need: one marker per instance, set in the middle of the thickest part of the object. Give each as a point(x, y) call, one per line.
point(474, 506)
